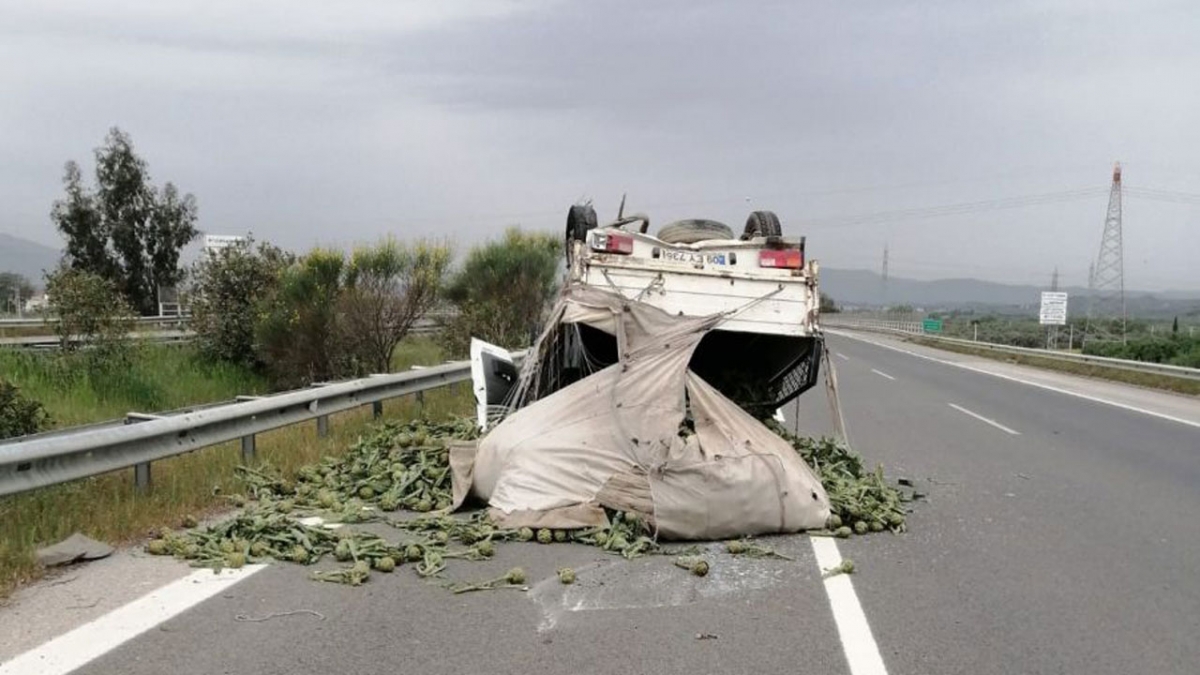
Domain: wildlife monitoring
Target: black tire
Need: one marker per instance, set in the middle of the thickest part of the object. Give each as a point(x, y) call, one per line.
point(693, 230)
point(580, 219)
point(762, 224)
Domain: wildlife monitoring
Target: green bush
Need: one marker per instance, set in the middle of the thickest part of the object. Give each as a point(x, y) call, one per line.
point(19, 414)
point(91, 312)
point(1173, 349)
point(388, 287)
point(298, 335)
point(1189, 358)
point(503, 290)
point(226, 290)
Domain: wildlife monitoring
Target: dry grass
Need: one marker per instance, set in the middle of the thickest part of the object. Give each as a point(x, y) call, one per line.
point(108, 508)
point(1178, 385)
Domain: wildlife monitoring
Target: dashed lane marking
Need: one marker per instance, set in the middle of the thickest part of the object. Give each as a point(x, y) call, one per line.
point(981, 418)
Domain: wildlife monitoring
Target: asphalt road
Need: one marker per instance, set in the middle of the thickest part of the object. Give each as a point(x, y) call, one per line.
point(1070, 546)
point(1059, 535)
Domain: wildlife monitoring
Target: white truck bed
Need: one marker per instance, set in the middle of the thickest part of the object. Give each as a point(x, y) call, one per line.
point(706, 278)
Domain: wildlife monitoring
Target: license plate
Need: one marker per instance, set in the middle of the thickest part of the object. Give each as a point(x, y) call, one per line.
point(694, 257)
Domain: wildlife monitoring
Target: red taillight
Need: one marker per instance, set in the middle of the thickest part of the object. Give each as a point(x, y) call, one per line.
point(791, 259)
point(612, 243)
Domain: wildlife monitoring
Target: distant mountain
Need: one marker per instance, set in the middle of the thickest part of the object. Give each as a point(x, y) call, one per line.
point(26, 258)
point(865, 288)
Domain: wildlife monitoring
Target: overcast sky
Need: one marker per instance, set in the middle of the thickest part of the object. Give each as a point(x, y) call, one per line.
point(310, 121)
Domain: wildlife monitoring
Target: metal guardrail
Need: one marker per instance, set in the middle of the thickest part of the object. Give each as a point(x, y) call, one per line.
point(39, 322)
point(423, 327)
point(912, 329)
point(52, 341)
point(41, 460)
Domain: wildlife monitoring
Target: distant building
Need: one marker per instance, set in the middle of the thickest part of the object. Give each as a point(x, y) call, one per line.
point(213, 243)
point(36, 304)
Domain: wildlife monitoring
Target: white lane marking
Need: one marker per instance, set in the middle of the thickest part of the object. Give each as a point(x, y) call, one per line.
point(71, 650)
point(862, 654)
point(1039, 385)
point(842, 356)
point(882, 374)
point(981, 418)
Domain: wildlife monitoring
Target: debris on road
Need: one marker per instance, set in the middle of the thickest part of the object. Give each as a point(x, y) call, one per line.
point(410, 463)
point(276, 615)
point(751, 550)
point(860, 500)
point(847, 567)
point(515, 578)
point(73, 549)
point(697, 566)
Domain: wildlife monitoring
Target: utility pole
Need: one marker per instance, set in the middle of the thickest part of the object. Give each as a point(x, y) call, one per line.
point(1106, 306)
point(884, 277)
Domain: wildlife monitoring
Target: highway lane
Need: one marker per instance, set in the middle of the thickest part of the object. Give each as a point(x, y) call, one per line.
point(640, 616)
point(1070, 546)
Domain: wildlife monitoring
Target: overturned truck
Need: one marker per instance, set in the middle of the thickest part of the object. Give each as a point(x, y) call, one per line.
point(644, 391)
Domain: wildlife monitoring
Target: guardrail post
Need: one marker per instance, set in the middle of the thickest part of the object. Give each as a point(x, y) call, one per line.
point(323, 426)
point(420, 402)
point(377, 409)
point(141, 476)
point(248, 449)
point(141, 472)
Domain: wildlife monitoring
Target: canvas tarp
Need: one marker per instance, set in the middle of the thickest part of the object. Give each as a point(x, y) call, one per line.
point(615, 439)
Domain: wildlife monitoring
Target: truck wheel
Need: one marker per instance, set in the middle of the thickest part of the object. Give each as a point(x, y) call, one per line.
point(762, 224)
point(693, 230)
point(580, 219)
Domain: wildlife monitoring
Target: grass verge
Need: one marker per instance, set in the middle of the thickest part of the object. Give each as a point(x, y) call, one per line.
point(108, 508)
point(1179, 385)
point(77, 389)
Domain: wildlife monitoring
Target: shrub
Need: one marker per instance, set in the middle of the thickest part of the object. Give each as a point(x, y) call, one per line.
point(19, 415)
point(297, 331)
point(388, 288)
point(503, 290)
point(227, 288)
point(90, 310)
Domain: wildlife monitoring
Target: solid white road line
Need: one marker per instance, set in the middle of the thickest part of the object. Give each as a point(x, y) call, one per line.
point(842, 356)
point(862, 654)
point(91, 640)
point(1039, 385)
point(981, 418)
point(882, 374)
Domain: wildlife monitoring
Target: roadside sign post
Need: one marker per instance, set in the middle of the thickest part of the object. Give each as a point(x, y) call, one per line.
point(1053, 313)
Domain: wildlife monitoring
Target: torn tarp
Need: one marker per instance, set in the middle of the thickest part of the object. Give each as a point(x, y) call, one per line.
point(73, 549)
point(644, 434)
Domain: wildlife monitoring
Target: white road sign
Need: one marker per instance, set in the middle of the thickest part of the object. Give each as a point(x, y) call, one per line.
point(1054, 309)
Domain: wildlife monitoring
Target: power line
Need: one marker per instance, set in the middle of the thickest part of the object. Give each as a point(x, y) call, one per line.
point(963, 208)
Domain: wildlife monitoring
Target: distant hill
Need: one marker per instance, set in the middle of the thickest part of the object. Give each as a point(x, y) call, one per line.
point(864, 288)
point(26, 258)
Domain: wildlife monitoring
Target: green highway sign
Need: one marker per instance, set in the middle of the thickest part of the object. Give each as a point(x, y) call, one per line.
point(931, 325)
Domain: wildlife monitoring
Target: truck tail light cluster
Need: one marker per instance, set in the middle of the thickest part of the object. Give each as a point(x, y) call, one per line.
point(612, 243)
point(792, 259)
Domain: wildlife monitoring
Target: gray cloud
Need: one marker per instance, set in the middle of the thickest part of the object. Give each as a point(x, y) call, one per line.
point(336, 122)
